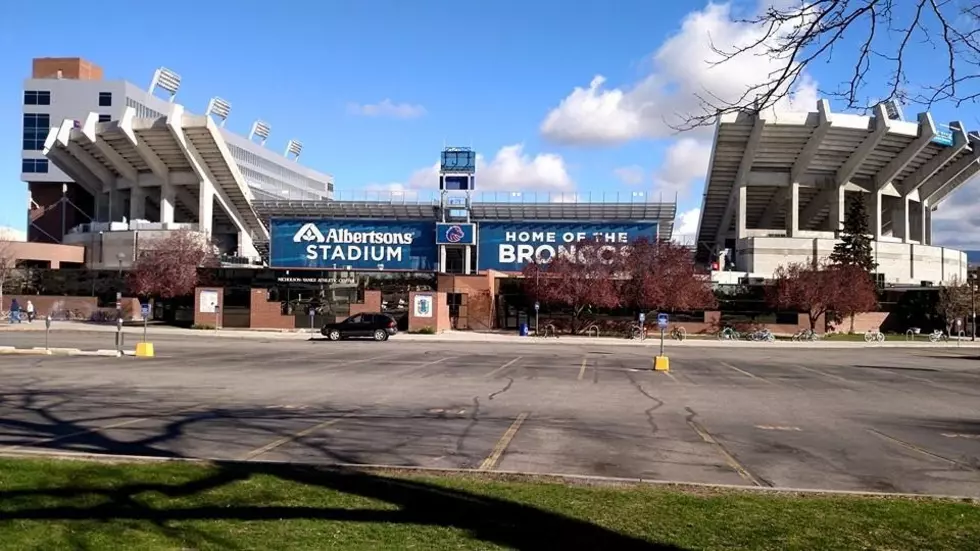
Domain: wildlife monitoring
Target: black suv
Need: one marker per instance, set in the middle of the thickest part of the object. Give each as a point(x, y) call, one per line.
point(377, 326)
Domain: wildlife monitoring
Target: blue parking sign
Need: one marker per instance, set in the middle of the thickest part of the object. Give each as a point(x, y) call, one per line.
point(662, 320)
point(145, 310)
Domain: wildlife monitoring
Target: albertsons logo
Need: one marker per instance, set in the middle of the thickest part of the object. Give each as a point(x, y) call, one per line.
point(455, 234)
point(309, 232)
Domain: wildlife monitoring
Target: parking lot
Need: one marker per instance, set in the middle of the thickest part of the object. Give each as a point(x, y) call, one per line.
point(884, 419)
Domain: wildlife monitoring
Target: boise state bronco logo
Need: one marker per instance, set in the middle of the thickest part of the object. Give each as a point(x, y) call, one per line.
point(455, 234)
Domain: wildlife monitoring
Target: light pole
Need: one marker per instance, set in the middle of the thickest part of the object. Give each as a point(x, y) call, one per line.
point(973, 305)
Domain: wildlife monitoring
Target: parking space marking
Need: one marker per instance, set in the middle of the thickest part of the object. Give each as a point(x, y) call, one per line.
point(293, 437)
point(778, 427)
point(503, 368)
point(581, 371)
point(729, 458)
point(818, 372)
point(743, 372)
point(414, 368)
point(498, 450)
point(919, 449)
point(52, 439)
point(958, 435)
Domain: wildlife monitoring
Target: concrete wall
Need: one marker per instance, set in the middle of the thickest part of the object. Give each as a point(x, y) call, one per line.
point(476, 310)
point(901, 263)
point(112, 250)
point(208, 319)
point(438, 321)
point(51, 253)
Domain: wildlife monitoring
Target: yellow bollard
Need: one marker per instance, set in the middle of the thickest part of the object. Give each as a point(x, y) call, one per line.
point(144, 350)
point(661, 363)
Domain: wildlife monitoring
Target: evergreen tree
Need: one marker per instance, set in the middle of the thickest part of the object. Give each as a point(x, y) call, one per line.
point(854, 248)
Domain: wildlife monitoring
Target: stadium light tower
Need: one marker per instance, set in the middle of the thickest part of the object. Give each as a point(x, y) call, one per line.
point(219, 108)
point(295, 148)
point(260, 129)
point(166, 80)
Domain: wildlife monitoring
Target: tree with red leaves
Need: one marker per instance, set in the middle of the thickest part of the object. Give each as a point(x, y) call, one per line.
point(168, 267)
point(579, 278)
point(819, 289)
point(661, 275)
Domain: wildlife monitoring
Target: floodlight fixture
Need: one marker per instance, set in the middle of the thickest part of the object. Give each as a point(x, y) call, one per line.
point(219, 108)
point(167, 80)
point(295, 148)
point(260, 129)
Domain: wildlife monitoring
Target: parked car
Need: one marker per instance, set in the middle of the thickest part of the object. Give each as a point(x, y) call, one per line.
point(377, 326)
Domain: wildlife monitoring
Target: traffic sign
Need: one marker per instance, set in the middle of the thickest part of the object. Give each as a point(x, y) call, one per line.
point(537, 306)
point(145, 310)
point(643, 317)
point(662, 320)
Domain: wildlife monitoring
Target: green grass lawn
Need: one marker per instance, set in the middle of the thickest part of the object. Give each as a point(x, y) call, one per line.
point(50, 504)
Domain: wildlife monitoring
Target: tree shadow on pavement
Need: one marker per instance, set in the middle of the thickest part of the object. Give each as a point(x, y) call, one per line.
point(492, 520)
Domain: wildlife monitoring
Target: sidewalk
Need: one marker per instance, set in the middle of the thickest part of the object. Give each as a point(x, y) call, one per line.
point(477, 337)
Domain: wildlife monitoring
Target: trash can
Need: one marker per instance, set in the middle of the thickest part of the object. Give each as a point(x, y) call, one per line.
point(523, 330)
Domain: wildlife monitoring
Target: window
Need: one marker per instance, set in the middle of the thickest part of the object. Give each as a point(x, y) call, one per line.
point(105, 99)
point(105, 118)
point(34, 166)
point(36, 128)
point(37, 98)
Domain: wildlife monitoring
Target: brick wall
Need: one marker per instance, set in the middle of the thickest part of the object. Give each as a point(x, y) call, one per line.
point(207, 318)
point(476, 311)
point(56, 306)
point(70, 67)
point(862, 322)
point(439, 318)
point(372, 303)
point(267, 315)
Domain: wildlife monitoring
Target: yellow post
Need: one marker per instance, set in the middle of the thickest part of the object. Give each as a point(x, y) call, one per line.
point(661, 363)
point(144, 349)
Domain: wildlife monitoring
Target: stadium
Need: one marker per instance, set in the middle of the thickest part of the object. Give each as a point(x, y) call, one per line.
point(131, 166)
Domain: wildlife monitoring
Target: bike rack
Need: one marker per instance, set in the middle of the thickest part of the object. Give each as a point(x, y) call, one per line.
point(909, 335)
point(588, 331)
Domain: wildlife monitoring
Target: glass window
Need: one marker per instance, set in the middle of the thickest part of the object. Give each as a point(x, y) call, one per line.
point(105, 118)
point(36, 128)
point(34, 165)
point(32, 97)
point(105, 99)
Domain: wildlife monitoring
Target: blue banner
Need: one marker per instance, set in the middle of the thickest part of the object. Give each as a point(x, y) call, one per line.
point(455, 234)
point(509, 246)
point(361, 244)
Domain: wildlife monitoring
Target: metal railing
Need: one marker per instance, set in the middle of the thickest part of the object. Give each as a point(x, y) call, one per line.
point(433, 197)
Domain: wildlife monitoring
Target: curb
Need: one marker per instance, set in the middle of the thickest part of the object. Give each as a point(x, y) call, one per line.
point(41, 351)
point(22, 453)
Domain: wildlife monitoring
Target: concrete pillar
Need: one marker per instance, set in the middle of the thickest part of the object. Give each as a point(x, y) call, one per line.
point(137, 203)
point(900, 220)
point(442, 259)
point(117, 206)
point(168, 197)
point(926, 225)
point(205, 209)
point(873, 206)
point(838, 209)
point(793, 210)
point(467, 259)
point(741, 217)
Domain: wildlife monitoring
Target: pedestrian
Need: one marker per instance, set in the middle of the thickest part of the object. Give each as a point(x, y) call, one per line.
point(14, 311)
point(30, 312)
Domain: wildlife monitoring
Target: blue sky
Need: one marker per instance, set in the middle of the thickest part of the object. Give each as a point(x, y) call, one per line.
point(320, 72)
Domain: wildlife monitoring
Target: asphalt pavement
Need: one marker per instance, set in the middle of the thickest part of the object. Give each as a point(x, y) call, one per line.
point(883, 419)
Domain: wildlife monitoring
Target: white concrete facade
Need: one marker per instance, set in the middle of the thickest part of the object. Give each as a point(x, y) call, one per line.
point(178, 162)
point(268, 172)
point(777, 189)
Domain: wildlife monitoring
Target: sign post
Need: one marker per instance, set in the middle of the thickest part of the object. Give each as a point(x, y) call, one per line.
point(661, 362)
point(537, 308)
point(312, 330)
point(144, 349)
point(47, 329)
point(643, 329)
point(145, 312)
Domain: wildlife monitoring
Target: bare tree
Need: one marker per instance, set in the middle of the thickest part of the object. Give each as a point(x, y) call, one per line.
point(955, 303)
point(8, 265)
point(874, 37)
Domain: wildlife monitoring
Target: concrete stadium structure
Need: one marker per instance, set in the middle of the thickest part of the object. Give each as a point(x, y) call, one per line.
point(777, 190)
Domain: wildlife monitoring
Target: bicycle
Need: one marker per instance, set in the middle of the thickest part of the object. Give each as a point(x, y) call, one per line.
point(805, 335)
point(548, 328)
point(678, 333)
point(762, 335)
point(874, 335)
point(635, 332)
point(938, 335)
point(728, 334)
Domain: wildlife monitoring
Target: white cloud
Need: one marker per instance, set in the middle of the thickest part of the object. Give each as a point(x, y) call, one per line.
point(387, 108)
point(685, 162)
point(955, 223)
point(682, 70)
point(12, 234)
point(511, 169)
point(630, 175)
point(686, 226)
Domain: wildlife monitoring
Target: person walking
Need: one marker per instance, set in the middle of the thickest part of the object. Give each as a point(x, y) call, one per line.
point(14, 311)
point(30, 312)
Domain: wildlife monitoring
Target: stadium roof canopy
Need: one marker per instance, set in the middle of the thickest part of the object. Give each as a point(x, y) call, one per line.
point(761, 168)
point(179, 150)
